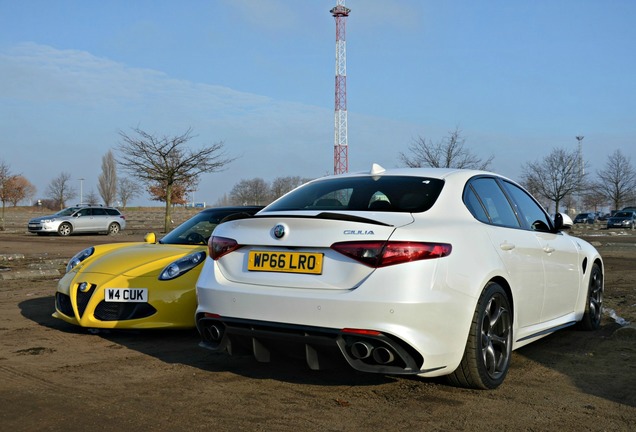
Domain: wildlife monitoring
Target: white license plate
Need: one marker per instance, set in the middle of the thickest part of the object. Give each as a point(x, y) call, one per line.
point(126, 295)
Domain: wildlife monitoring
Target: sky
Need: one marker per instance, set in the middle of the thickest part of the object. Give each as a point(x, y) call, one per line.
point(518, 78)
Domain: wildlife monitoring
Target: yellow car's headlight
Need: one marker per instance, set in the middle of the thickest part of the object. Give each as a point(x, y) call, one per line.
point(79, 257)
point(181, 266)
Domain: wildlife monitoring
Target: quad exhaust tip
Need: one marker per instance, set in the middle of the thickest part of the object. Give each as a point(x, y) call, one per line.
point(383, 355)
point(212, 333)
point(362, 350)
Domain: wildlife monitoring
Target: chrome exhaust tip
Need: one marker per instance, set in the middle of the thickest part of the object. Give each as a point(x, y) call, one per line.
point(212, 333)
point(382, 355)
point(361, 350)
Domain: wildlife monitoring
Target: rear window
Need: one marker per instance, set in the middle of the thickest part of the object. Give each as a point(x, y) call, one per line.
point(382, 193)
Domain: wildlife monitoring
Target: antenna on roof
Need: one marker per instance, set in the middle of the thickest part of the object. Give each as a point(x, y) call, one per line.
point(377, 169)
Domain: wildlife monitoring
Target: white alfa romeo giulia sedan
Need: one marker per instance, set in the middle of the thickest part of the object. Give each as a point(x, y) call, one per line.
point(407, 271)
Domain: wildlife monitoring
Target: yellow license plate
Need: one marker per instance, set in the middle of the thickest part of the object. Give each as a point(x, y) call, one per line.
point(286, 262)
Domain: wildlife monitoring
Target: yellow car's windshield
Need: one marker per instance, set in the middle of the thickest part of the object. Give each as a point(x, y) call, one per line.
point(198, 229)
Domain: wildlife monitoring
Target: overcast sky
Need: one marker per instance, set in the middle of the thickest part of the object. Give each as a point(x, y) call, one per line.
point(519, 78)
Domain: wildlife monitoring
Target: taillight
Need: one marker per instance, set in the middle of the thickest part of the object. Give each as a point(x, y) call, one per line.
point(219, 246)
point(381, 254)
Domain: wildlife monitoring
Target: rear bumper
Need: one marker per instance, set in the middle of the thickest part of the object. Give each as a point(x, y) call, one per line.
point(423, 324)
point(378, 353)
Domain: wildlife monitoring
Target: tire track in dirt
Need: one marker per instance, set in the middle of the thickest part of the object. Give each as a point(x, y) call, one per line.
point(23, 378)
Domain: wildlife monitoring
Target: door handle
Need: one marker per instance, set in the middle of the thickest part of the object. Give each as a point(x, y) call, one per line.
point(507, 246)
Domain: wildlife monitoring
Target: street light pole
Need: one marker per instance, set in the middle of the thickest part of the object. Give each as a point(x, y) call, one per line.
point(579, 138)
point(81, 180)
point(579, 180)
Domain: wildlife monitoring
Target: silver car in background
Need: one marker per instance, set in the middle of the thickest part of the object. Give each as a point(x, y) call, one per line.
point(622, 219)
point(79, 219)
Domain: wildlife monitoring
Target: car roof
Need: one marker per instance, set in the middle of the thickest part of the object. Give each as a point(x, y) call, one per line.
point(458, 176)
point(80, 206)
point(440, 173)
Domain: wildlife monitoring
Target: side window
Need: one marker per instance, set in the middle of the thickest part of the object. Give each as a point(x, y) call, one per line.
point(536, 219)
point(99, 212)
point(84, 212)
point(474, 205)
point(494, 202)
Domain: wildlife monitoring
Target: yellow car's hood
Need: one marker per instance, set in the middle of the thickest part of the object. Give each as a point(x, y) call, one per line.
point(134, 259)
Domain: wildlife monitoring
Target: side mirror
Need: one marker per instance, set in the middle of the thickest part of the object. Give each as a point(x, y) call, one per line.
point(562, 221)
point(150, 238)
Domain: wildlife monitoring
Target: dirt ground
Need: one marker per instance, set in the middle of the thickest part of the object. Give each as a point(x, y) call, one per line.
point(56, 377)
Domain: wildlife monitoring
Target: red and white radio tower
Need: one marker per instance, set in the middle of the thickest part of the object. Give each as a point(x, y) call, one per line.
point(341, 147)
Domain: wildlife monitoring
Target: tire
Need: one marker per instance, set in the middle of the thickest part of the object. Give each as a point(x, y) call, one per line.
point(113, 228)
point(65, 229)
point(594, 304)
point(489, 347)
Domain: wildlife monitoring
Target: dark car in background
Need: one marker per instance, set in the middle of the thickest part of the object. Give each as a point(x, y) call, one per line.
point(585, 218)
point(622, 219)
point(79, 219)
point(603, 217)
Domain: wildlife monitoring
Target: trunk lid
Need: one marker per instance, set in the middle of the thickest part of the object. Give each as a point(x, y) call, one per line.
point(301, 241)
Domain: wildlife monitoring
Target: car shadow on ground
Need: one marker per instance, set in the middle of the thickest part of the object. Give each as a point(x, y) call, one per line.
point(596, 362)
point(182, 347)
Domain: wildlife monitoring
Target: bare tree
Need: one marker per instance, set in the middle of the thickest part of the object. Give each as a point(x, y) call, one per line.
point(450, 152)
point(92, 198)
point(5, 187)
point(107, 180)
point(570, 202)
point(127, 190)
point(223, 201)
point(250, 192)
point(545, 203)
point(617, 181)
point(167, 161)
point(594, 199)
point(281, 185)
point(555, 177)
point(60, 190)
